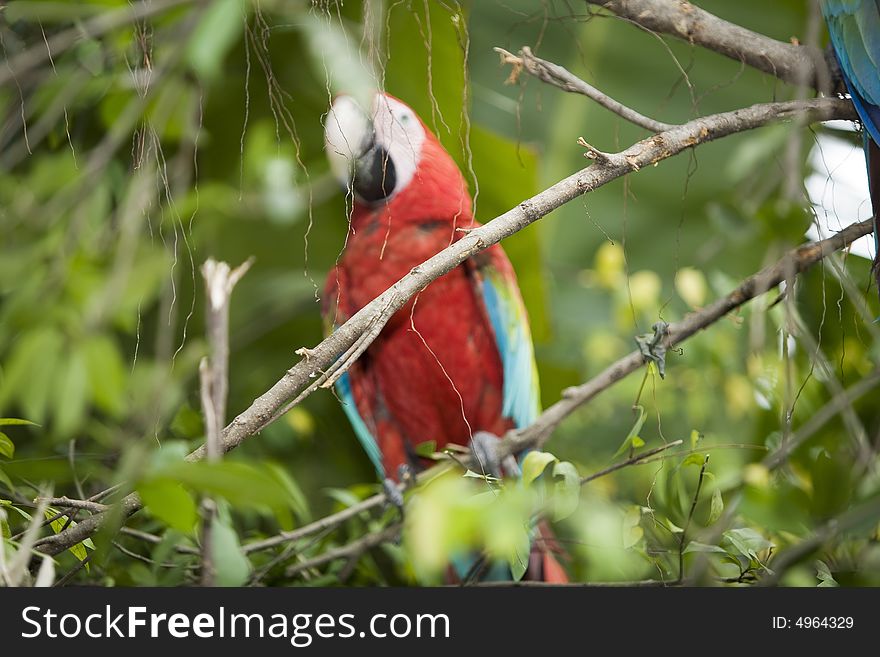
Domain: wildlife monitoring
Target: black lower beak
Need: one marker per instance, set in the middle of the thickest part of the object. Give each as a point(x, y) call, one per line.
point(374, 177)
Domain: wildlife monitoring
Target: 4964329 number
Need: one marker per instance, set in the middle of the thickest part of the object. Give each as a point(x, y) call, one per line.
point(824, 622)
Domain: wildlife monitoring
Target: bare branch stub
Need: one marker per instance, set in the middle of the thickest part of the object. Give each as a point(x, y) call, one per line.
point(220, 280)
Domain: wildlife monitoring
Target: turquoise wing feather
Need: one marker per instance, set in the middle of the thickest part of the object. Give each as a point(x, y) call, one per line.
point(507, 314)
point(343, 386)
point(854, 27)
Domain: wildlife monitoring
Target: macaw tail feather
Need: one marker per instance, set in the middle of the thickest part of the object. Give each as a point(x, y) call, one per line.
point(543, 563)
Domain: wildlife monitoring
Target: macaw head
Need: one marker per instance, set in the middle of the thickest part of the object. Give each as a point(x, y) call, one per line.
point(387, 157)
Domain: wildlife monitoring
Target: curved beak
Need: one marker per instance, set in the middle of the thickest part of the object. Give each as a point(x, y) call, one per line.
point(357, 160)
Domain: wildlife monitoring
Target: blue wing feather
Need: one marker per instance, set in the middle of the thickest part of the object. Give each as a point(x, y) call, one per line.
point(507, 315)
point(854, 27)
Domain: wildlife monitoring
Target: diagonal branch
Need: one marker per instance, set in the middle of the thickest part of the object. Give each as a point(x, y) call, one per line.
point(791, 63)
point(610, 167)
point(796, 260)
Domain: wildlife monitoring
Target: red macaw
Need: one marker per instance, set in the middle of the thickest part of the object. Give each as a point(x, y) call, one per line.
point(455, 365)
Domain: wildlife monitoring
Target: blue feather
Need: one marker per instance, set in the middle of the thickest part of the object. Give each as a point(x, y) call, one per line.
point(854, 27)
point(510, 325)
point(367, 440)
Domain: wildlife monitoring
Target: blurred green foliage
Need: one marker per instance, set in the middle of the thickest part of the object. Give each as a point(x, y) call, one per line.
point(129, 156)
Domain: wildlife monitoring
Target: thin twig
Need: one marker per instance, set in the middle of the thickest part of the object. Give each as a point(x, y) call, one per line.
point(633, 460)
point(69, 503)
point(328, 522)
point(155, 540)
point(73, 571)
point(687, 525)
point(353, 549)
point(562, 78)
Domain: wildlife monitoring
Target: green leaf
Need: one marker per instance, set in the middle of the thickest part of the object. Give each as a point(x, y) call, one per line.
point(534, 464)
point(748, 542)
point(231, 566)
point(694, 459)
point(567, 490)
point(30, 370)
point(6, 481)
point(632, 530)
point(78, 550)
point(7, 448)
point(216, 34)
point(345, 497)
point(297, 497)
point(24, 514)
point(239, 482)
point(426, 449)
point(695, 546)
point(671, 526)
point(106, 374)
point(519, 562)
point(716, 506)
point(168, 455)
point(696, 437)
point(169, 502)
point(823, 573)
point(71, 396)
point(9, 421)
point(628, 442)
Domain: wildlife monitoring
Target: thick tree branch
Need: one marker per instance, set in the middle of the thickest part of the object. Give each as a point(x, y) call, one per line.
point(320, 363)
point(789, 62)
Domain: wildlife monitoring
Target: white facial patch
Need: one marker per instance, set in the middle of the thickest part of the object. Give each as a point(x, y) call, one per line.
point(399, 131)
point(347, 133)
point(346, 130)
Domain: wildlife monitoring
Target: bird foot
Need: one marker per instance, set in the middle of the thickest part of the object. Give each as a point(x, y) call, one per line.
point(484, 448)
point(393, 494)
